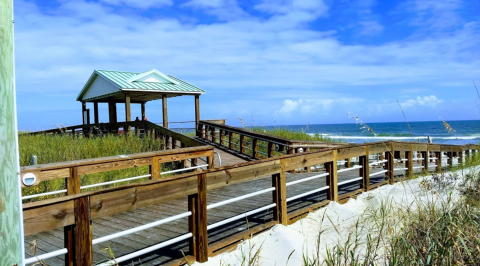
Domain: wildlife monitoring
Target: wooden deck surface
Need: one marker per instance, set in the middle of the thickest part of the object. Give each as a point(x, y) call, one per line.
point(53, 240)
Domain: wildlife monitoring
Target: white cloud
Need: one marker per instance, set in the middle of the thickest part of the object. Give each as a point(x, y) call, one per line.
point(370, 28)
point(143, 4)
point(429, 101)
point(205, 3)
point(274, 58)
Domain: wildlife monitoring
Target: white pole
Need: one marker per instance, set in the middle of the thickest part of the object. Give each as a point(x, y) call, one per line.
point(11, 225)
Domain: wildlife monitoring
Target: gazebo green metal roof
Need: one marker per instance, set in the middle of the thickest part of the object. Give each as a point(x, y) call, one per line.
point(146, 86)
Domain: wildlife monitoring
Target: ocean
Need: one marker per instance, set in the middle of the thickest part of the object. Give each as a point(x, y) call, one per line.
point(466, 132)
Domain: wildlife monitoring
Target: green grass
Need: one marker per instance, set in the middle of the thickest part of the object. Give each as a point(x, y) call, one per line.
point(291, 134)
point(438, 232)
point(62, 148)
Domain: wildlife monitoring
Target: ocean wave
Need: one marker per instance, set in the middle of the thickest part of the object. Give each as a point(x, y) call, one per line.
point(403, 138)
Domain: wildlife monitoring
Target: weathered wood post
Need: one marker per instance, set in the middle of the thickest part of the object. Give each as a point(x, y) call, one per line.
point(197, 115)
point(11, 225)
point(390, 165)
point(230, 140)
point(255, 148)
point(409, 162)
point(242, 144)
point(425, 160)
point(165, 111)
point(198, 222)
point(221, 137)
point(450, 159)
point(364, 172)
point(438, 155)
point(332, 178)
point(270, 149)
point(279, 182)
point(154, 168)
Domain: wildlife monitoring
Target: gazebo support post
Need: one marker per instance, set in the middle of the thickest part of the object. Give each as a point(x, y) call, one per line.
point(112, 114)
point(143, 109)
point(95, 112)
point(84, 108)
point(164, 111)
point(197, 114)
point(128, 116)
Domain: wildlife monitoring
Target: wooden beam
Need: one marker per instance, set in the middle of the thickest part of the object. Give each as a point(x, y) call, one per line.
point(128, 114)
point(425, 160)
point(230, 140)
point(95, 113)
point(84, 116)
point(450, 159)
point(255, 148)
point(390, 166)
point(438, 155)
point(409, 162)
point(83, 232)
point(279, 195)
point(270, 149)
point(242, 144)
point(201, 218)
point(165, 110)
point(155, 169)
point(142, 109)
point(72, 184)
point(193, 224)
point(197, 114)
point(365, 171)
point(332, 178)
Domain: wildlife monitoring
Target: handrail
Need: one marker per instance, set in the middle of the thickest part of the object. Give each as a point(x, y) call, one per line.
point(80, 208)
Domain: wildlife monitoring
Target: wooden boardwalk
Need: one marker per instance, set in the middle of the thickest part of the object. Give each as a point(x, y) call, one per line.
point(52, 240)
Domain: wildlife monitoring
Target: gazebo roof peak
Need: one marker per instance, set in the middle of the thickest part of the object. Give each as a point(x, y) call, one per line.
point(153, 76)
point(105, 85)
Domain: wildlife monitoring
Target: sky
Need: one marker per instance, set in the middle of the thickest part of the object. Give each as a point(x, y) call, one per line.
point(268, 62)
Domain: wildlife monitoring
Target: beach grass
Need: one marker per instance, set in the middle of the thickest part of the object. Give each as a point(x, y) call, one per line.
point(63, 147)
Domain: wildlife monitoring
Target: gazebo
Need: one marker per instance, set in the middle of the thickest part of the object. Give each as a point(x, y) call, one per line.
point(112, 87)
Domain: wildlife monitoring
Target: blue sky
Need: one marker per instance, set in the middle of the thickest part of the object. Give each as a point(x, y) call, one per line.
point(270, 62)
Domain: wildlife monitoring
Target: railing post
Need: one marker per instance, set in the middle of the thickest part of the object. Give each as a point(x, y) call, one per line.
point(154, 168)
point(174, 143)
point(279, 182)
point(200, 234)
point(83, 232)
point(255, 148)
point(210, 162)
point(438, 155)
point(409, 162)
point(425, 160)
point(72, 184)
point(390, 165)
point(221, 137)
point(214, 137)
point(193, 224)
point(460, 158)
point(230, 140)
point(450, 159)
point(242, 144)
point(348, 162)
point(270, 149)
point(332, 178)
point(365, 170)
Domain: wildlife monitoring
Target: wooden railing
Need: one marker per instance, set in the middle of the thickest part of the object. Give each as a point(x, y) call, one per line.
point(254, 144)
point(170, 138)
point(76, 211)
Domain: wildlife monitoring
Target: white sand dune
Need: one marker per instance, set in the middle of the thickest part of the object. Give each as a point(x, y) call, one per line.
point(336, 223)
